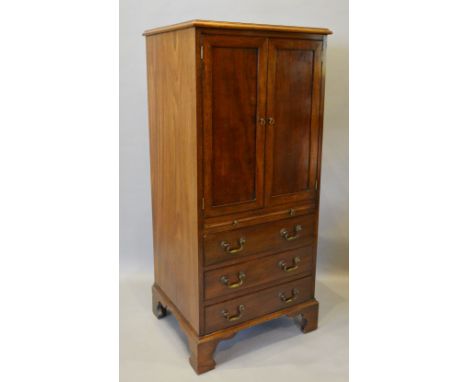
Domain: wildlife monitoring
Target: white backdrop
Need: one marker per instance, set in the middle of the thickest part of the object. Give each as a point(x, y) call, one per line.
point(135, 202)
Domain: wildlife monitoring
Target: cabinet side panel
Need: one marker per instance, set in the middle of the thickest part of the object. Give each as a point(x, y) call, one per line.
point(173, 148)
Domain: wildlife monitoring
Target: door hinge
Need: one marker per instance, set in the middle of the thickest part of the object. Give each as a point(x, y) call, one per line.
point(202, 203)
point(316, 184)
point(201, 52)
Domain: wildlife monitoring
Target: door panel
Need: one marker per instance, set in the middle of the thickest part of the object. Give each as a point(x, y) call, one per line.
point(234, 83)
point(293, 102)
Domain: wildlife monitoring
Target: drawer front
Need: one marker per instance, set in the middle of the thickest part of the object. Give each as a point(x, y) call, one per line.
point(241, 309)
point(276, 236)
point(223, 223)
point(236, 278)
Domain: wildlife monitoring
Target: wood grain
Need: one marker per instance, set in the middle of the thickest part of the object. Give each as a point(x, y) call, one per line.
point(237, 26)
point(234, 85)
point(262, 238)
point(258, 304)
point(202, 347)
point(246, 219)
point(218, 173)
point(294, 69)
point(261, 33)
point(293, 80)
point(258, 272)
point(173, 150)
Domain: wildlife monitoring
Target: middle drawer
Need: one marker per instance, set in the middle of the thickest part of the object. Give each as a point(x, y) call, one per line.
point(269, 237)
point(228, 280)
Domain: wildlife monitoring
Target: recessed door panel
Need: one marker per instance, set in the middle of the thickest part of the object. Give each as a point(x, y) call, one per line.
point(293, 104)
point(233, 101)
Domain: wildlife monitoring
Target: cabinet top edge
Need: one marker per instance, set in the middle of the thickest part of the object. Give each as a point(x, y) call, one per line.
point(238, 26)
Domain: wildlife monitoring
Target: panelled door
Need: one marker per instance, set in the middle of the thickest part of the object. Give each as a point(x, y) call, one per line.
point(261, 121)
point(234, 105)
point(293, 112)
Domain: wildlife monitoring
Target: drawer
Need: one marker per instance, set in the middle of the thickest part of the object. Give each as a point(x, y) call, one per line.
point(248, 307)
point(222, 223)
point(275, 236)
point(236, 278)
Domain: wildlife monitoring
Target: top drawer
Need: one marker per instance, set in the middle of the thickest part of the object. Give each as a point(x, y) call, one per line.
point(269, 237)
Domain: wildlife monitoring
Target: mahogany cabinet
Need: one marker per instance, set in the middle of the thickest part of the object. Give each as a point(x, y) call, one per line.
point(235, 117)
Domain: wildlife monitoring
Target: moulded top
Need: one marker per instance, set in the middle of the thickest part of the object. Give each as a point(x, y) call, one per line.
point(238, 26)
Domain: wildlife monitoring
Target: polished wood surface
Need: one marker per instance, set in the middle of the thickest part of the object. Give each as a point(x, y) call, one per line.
point(234, 84)
point(246, 219)
point(258, 304)
point(202, 347)
point(172, 117)
point(234, 99)
point(258, 239)
point(292, 138)
point(259, 271)
point(235, 115)
point(308, 318)
point(292, 69)
point(238, 27)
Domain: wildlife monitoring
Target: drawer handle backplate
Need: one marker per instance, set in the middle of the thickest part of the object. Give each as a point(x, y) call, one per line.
point(291, 236)
point(240, 310)
point(285, 268)
point(225, 281)
point(287, 300)
point(228, 247)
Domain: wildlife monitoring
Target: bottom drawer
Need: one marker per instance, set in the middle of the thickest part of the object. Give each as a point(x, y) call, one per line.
point(254, 305)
